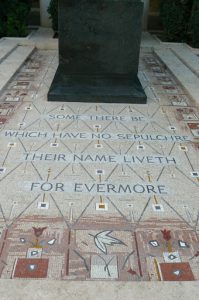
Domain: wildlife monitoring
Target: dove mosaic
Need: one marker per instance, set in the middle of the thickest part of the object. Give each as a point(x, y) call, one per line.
point(104, 239)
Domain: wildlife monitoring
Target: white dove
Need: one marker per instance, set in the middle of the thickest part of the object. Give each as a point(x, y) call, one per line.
point(103, 238)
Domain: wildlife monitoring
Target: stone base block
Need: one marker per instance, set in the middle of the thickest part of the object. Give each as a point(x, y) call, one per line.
point(96, 89)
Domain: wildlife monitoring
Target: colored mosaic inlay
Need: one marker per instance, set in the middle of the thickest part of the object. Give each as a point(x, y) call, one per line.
point(98, 191)
point(31, 268)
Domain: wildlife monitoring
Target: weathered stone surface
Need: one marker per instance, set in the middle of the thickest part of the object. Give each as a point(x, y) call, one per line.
point(99, 43)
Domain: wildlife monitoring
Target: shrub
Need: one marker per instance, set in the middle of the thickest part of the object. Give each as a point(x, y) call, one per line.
point(53, 11)
point(194, 24)
point(13, 17)
point(175, 15)
point(3, 16)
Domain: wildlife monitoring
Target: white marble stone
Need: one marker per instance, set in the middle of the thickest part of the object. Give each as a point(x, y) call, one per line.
point(187, 56)
point(12, 63)
point(6, 47)
point(184, 75)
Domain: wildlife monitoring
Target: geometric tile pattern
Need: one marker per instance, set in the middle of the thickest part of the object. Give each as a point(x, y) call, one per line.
point(98, 191)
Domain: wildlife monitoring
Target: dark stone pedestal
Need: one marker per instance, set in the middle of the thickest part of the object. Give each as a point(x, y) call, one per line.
point(95, 89)
point(99, 43)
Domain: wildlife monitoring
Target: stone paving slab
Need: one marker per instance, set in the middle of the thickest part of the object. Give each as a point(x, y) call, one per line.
point(33, 290)
point(6, 47)
point(184, 75)
point(12, 62)
point(41, 39)
point(189, 58)
point(98, 192)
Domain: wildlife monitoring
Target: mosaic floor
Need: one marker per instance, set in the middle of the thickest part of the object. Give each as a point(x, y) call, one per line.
point(98, 191)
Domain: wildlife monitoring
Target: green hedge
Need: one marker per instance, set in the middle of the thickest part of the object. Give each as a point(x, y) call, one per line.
point(53, 11)
point(14, 17)
point(194, 24)
point(3, 16)
point(175, 16)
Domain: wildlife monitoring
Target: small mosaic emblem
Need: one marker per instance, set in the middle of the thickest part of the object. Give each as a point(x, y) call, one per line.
point(158, 207)
point(43, 205)
point(98, 146)
point(54, 145)
point(140, 147)
point(12, 145)
point(34, 253)
point(2, 170)
point(102, 206)
point(195, 174)
point(99, 172)
point(171, 257)
point(183, 148)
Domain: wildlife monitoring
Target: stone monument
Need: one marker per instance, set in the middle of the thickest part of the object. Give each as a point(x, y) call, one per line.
point(99, 44)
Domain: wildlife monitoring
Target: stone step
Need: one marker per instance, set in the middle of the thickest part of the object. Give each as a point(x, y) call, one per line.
point(189, 58)
point(6, 47)
point(96, 290)
point(185, 76)
point(149, 40)
point(10, 65)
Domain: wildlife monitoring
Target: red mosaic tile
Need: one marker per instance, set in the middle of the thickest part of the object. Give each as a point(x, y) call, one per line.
point(3, 120)
point(31, 268)
point(176, 272)
point(194, 126)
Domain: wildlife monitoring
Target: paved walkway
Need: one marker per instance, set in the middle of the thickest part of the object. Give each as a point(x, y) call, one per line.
point(99, 192)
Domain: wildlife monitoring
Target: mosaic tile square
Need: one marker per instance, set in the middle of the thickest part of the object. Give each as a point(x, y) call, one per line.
point(31, 268)
point(176, 272)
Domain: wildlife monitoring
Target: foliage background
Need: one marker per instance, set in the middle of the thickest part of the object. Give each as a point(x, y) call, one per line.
point(53, 11)
point(14, 17)
point(180, 19)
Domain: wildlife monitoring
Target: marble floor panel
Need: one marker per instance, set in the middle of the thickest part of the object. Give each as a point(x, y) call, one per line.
point(98, 191)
